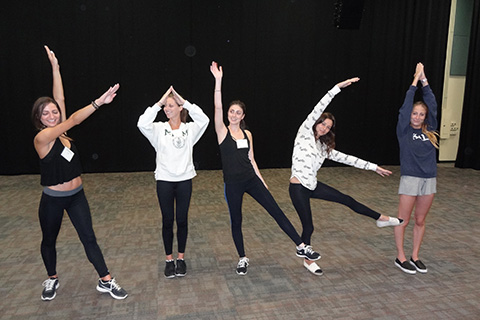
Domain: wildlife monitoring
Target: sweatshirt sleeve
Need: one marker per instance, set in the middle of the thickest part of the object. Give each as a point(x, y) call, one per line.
point(199, 118)
point(431, 102)
point(405, 111)
point(318, 109)
point(145, 123)
point(351, 160)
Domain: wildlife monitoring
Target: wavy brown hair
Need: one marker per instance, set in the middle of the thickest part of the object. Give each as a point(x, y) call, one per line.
point(432, 135)
point(329, 138)
point(183, 113)
point(37, 110)
point(241, 104)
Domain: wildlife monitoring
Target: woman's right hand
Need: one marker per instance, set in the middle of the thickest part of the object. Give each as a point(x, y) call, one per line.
point(347, 82)
point(216, 70)
point(162, 101)
point(53, 59)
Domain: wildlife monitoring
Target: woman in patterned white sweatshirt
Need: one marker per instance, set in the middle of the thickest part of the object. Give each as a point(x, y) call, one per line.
point(315, 142)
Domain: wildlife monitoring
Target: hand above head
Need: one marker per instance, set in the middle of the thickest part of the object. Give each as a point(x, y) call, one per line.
point(383, 172)
point(347, 82)
point(216, 70)
point(108, 96)
point(162, 101)
point(178, 98)
point(419, 71)
point(53, 59)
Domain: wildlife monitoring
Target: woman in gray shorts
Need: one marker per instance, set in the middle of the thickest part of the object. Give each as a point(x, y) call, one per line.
point(418, 142)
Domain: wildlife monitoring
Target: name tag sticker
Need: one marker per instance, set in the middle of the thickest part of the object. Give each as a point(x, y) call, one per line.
point(242, 144)
point(67, 154)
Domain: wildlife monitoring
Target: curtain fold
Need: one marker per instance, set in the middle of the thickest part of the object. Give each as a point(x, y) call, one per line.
point(468, 155)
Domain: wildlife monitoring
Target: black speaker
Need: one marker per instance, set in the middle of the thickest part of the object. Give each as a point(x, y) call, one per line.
point(348, 14)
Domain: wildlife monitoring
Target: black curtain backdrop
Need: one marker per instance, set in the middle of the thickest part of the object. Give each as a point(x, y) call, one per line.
point(468, 155)
point(279, 56)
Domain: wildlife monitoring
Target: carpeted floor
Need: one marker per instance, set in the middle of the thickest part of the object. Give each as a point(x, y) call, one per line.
point(360, 280)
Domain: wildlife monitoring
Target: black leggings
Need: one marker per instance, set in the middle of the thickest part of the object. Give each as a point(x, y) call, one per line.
point(255, 188)
point(170, 194)
point(50, 213)
point(301, 201)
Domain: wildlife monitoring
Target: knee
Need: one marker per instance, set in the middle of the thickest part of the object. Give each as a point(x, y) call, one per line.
point(419, 222)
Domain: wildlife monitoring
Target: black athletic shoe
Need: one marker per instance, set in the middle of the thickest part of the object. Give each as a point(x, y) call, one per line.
point(419, 266)
point(405, 266)
point(111, 286)
point(50, 291)
point(170, 269)
point(307, 252)
point(181, 269)
point(242, 266)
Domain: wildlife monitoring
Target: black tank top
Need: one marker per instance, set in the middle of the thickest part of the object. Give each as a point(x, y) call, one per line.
point(236, 164)
point(55, 169)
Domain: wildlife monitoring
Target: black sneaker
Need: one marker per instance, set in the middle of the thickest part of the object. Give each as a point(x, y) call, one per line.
point(111, 286)
point(170, 269)
point(50, 291)
point(307, 252)
point(405, 266)
point(242, 266)
point(181, 269)
point(419, 266)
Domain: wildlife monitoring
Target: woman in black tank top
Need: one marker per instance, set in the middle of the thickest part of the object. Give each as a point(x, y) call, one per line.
point(241, 174)
point(60, 175)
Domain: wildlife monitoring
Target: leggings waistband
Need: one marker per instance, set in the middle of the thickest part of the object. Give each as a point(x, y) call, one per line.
point(56, 193)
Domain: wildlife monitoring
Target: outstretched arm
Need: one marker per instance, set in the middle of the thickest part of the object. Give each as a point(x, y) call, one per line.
point(220, 127)
point(47, 135)
point(383, 172)
point(306, 126)
point(57, 82)
point(347, 82)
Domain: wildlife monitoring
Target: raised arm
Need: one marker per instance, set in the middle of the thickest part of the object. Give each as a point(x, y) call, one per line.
point(220, 127)
point(199, 118)
point(347, 82)
point(47, 135)
point(57, 82)
point(404, 113)
point(430, 101)
point(317, 111)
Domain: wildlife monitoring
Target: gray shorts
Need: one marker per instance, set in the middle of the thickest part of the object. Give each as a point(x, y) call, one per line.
point(414, 186)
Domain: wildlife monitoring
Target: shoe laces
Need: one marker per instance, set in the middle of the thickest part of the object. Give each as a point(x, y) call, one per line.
point(49, 284)
point(243, 262)
point(308, 249)
point(113, 284)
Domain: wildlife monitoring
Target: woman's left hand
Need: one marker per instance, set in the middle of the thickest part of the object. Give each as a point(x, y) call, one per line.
point(178, 98)
point(108, 96)
point(383, 172)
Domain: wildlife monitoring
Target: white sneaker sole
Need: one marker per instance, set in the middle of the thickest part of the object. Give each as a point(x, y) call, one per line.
point(313, 267)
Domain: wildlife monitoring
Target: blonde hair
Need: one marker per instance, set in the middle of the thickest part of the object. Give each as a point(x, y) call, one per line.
point(432, 135)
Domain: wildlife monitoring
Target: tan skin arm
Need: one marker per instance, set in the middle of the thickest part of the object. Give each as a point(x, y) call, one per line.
point(220, 127)
point(43, 141)
point(252, 157)
point(57, 82)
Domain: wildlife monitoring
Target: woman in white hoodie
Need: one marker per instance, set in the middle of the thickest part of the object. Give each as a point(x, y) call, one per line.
point(173, 141)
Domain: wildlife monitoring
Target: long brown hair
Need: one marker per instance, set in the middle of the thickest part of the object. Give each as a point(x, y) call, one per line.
point(432, 135)
point(183, 113)
point(329, 138)
point(242, 105)
point(37, 110)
